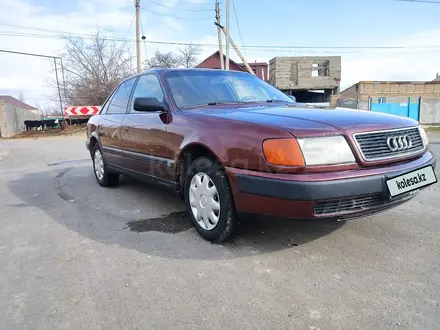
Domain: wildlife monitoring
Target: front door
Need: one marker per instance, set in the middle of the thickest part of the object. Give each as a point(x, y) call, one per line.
point(109, 129)
point(144, 133)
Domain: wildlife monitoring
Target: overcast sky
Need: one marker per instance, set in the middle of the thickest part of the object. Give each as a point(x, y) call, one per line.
point(300, 23)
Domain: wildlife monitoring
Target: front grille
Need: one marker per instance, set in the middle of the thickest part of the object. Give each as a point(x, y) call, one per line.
point(374, 146)
point(348, 205)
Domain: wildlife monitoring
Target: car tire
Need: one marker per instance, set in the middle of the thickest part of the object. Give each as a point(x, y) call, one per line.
point(103, 176)
point(209, 200)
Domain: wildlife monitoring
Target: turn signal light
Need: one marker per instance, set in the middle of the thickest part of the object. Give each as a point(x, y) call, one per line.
point(284, 152)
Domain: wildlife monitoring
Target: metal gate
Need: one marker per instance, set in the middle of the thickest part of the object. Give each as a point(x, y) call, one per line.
point(409, 107)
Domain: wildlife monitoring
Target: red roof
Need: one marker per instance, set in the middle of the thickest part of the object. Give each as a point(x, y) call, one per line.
point(12, 100)
point(214, 58)
point(213, 61)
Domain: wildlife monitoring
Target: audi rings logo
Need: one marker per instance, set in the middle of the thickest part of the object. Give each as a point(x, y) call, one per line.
point(398, 143)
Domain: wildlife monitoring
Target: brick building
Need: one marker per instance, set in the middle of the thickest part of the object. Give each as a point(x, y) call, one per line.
point(213, 62)
point(13, 113)
point(419, 100)
point(394, 89)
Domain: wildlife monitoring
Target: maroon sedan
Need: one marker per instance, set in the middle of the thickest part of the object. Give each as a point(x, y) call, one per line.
point(227, 142)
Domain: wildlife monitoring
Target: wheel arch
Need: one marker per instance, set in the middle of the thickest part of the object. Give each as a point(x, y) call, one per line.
point(93, 142)
point(186, 156)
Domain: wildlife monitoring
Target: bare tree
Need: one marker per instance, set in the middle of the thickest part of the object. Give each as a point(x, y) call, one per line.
point(92, 69)
point(189, 55)
point(163, 60)
point(49, 111)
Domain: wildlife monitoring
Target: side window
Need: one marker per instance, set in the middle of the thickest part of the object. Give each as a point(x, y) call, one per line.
point(105, 106)
point(147, 86)
point(120, 99)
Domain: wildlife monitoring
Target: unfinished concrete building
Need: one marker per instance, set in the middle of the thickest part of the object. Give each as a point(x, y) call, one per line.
point(301, 76)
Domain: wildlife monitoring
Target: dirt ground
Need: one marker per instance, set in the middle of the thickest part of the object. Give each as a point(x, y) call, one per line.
point(67, 131)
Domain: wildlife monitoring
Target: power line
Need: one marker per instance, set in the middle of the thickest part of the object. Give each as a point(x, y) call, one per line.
point(177, 17)
point(255, 49)
point(38, 29)
point(269, 47)
point(143, 36)
point(238, 26)
point(178, 8)
point(31, 54)
point(129, 26)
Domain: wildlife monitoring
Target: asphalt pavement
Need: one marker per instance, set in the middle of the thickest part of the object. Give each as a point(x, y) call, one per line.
point(74, 255)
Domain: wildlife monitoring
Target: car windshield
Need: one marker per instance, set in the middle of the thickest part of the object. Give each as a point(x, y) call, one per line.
point(192, 88)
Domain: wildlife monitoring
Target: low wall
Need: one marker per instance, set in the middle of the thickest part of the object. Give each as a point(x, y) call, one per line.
point(429, 106)
point(363, 104)
point(430, 110)
point(12, 119)
point(352, 103)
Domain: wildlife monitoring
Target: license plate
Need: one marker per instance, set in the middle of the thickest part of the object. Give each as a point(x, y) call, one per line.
point(411, 181)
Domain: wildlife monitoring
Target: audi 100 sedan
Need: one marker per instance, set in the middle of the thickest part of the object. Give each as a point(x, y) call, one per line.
point(229, 143)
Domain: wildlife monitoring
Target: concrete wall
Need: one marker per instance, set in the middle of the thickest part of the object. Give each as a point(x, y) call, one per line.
point(363, 104)
point(12, 119)
point(394, 89)
point(430, 110)
point(306, 73)
point(351, 92)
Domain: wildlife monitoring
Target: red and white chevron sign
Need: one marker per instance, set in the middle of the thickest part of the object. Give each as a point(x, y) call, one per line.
point(81, 111)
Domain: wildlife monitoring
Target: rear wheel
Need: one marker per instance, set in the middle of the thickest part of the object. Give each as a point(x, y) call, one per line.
point(102, 174)
point(209, 200)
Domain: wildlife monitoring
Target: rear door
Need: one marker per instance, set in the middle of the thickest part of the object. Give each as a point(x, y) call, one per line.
point(144, 133)
point(109, 128)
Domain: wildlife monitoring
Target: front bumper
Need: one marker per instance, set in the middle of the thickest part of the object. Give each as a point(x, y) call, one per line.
point(320, 195)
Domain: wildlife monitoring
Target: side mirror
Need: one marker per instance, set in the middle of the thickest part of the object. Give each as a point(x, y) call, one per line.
point(148, 104)
point(292, 97)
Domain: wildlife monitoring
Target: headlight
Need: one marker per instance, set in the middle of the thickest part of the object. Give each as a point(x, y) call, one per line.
point(423, 135)
point(327, 150)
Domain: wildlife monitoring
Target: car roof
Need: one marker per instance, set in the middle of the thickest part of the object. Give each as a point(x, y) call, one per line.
point(164, 70)
point(188, 69)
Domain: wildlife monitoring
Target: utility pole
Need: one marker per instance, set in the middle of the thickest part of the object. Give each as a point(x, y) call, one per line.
point(228, 10)
point(56, 70)
point(219, 32)
point(138, 36)
point(64, 81)
point(58, 85)
point(246, 64)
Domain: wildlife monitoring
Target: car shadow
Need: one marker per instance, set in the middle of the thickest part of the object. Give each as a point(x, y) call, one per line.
point(71, 197)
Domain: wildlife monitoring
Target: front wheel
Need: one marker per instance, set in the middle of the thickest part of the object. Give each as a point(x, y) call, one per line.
point(209, 200)
point(102, 175)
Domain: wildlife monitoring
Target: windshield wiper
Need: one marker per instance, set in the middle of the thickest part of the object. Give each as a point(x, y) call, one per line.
point(213, 103)
point(226, 102)
point(272, 101)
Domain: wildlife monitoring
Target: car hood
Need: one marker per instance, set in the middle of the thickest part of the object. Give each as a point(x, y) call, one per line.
point(301, 121)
